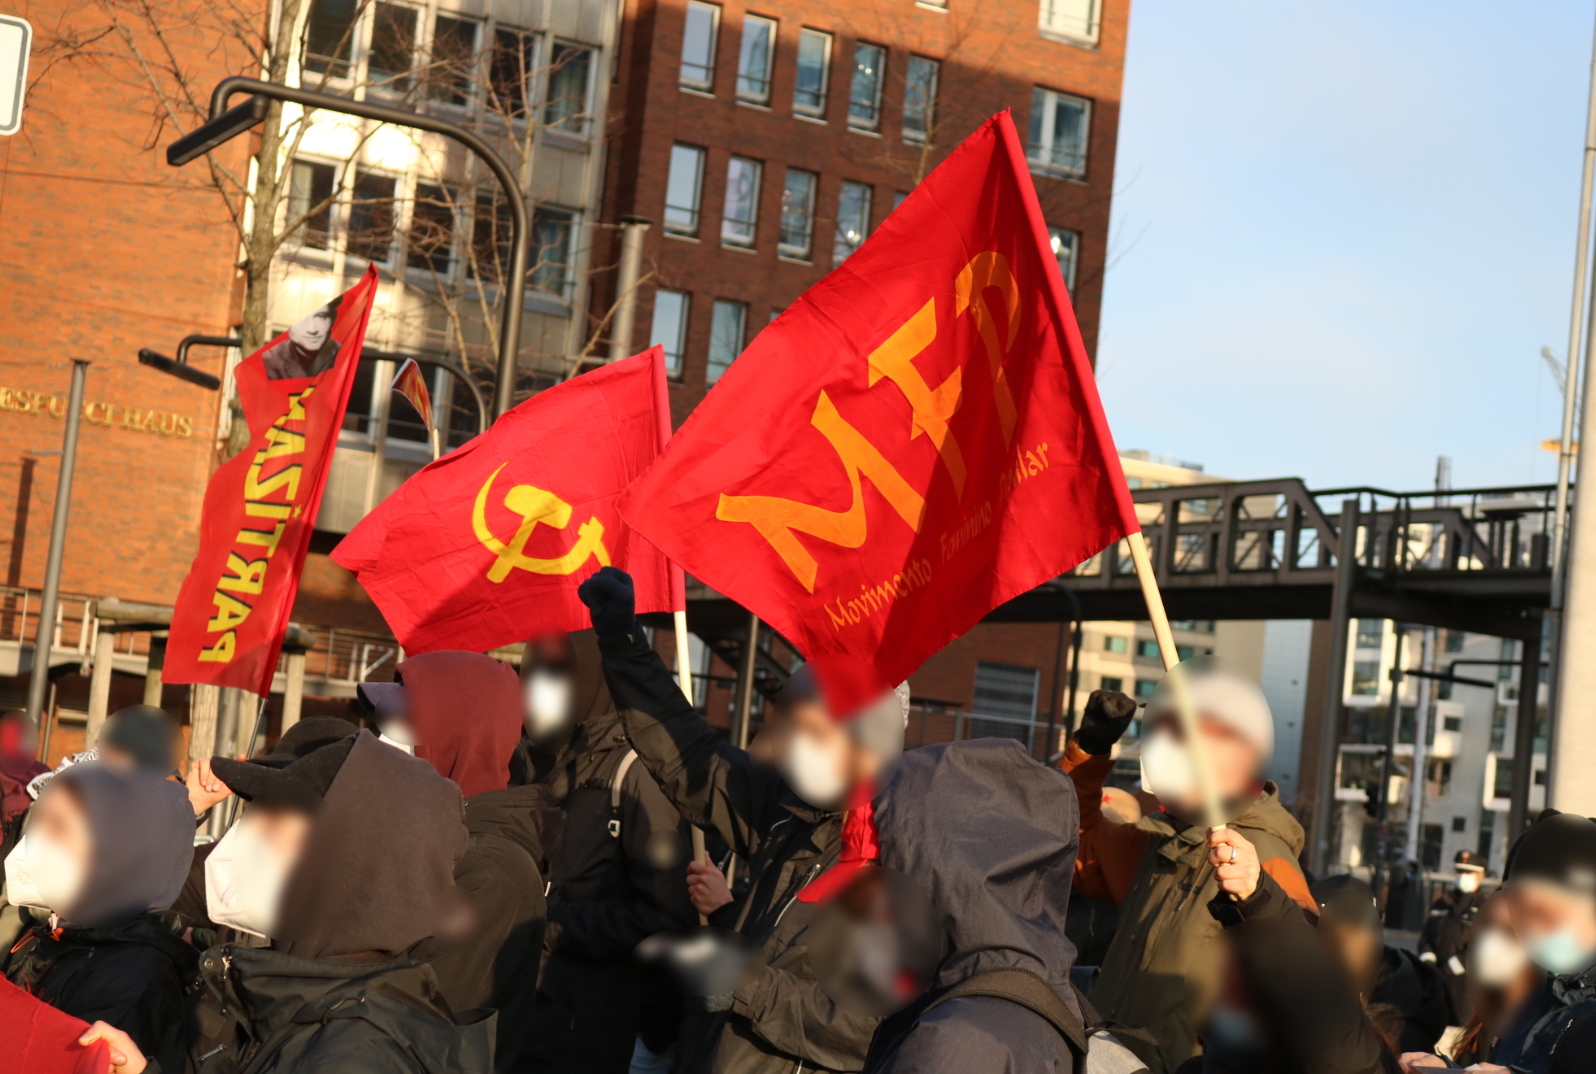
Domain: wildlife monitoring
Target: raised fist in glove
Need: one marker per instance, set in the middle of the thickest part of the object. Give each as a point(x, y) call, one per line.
point(610, 598)
point(1108, 713)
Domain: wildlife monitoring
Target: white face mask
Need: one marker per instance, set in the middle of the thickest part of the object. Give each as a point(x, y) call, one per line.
point(244, 881)
point(1167, 771)
point(39, 873)
point(813, 771)
point(1495, 958)
point(548, 703)
point(397, 735)
point(1468, 883)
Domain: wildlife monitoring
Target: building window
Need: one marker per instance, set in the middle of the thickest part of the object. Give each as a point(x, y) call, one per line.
point(726, 327)
point(1147, 647)
point(310, 195)
point(570, 69)
point(1460, 824)
point(551, 250)
point(1439, 778)
point(1059, 126)
point(1185, 652)
point(814, 63)
point(1066, 248)
point(1451, 723)
point(755, 59)
point(864, 92)
point(490, 237)
point(511, 70)
point(453, 74)
point(1078, 20)
point(393, 47)
point(1371, 632)
point(670, 328)
point(1110, 683)
point(698, 45)
point(1365, 678)
point(330, 37)
point(919, 99)
point(741, 215)
point(853, 220)
point(1007, 692)
point(1115, 643)
point(1454, 640)
point(1146, 688)
point(371, 217)
point(431, 243)
point(682, 188)
point(797, 214)
point(897, 197)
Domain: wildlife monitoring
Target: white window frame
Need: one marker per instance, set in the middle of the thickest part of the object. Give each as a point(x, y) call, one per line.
point(673, 361)
point(473, 92)
point(707, 83)
point(873, 123)
point(563, 128)
point(1059, 236)
point(453, 256)
point(1040, 154)
point(354, 173)
point(697, 208)
point(806, 251)
point(771, 28)
point(814, 111)
point(914, 137)
point(712, 375)
point(573, 236)
point(1055, 21)
point(732, 237)
point(837, 240)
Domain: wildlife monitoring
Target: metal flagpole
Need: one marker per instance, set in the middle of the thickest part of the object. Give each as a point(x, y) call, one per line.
point(684, 676)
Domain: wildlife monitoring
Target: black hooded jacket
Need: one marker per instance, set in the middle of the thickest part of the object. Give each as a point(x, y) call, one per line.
point(781, 1020)
point(609, 892)
point(990, 836)
point(339, 990)
point(113, 959)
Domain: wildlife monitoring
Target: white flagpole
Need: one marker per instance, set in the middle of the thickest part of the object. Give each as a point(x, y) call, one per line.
point(1213, 810)
point(684, 676)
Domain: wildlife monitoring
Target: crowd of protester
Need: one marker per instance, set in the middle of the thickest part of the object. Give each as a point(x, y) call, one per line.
point(483, 871)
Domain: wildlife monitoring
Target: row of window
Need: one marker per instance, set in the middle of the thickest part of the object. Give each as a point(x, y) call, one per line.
point(432, 229)
point(1147, 647)
point(451, 59)
point(1142, 688)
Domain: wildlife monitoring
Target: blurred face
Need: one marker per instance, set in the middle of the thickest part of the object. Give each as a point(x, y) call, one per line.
point(59, 819)
point(311, 332)
point(818, 757)
point(17, 738)
point(116, 757)
point(1556, 926)
point(548, 687)
point(246, 874)
point(1356, 950)
point(1233, 763)
point(1496, 960)
point(47, 867)
point(282, 831)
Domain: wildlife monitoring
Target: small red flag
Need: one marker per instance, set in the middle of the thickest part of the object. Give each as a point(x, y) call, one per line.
point(486, 546)
point(38, 1039)
point(232, 611)
point(915, 441)
point(409, 383)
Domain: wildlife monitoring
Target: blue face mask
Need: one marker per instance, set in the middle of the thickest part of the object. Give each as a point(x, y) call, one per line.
point(1559, 952)
point(1234, 1033)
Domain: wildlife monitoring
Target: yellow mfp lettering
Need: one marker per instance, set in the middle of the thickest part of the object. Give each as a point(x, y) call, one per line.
point(931, 407)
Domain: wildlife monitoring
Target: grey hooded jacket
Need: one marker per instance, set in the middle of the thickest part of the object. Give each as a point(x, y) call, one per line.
point(990, 836)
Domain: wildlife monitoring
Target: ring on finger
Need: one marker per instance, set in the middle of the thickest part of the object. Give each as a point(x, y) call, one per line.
point(1232, 855)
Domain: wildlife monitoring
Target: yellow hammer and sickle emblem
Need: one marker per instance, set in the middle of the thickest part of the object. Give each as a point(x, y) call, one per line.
point(535, 505)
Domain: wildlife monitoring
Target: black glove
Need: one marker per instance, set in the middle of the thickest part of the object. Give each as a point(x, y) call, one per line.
point(610, 598)
point(1108, 713)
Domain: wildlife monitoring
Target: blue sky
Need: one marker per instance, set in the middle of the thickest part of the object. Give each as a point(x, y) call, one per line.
point(1342, 233)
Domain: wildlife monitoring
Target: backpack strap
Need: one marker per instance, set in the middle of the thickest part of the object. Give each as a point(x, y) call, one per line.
point(1029, 991)
point(615, 792)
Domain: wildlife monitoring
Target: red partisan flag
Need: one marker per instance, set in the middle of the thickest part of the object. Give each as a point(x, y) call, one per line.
point(409, 383)
point(35, 1038)
point(233, 608)
point(487, 545)
point(915, 441)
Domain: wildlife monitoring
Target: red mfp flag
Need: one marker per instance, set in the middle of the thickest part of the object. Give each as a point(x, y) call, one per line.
point(35, 1038)
point(487, 545)
point(233, 609)
point(915, 441)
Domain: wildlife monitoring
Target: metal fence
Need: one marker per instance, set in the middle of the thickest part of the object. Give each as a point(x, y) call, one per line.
point(931, 724)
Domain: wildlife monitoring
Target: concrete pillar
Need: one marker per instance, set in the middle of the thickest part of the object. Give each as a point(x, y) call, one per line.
point(152, 674)
point(630, 271)
point(100, 682)
point(294, 688)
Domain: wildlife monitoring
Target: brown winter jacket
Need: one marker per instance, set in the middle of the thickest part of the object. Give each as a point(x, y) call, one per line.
point(1160, 968)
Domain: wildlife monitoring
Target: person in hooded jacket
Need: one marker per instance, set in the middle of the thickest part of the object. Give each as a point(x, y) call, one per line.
point(462, 713)
point(988, 836)
point(1161, 871)
point(784, 820)
point(618, 875)
point(103, 852)
point(344, 860)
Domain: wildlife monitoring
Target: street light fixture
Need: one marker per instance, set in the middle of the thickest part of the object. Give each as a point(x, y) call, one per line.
point(179, 367)
point(226, 123)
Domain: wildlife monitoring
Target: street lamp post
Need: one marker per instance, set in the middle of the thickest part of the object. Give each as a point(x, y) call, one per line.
point(44, 639)
point(227, 123)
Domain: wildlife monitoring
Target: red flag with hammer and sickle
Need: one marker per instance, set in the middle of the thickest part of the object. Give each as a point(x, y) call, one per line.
point(913, 442)
point(486, 546)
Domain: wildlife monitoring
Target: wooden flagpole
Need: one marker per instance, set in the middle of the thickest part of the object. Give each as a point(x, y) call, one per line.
point(1213, 810)
point(684, 677)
